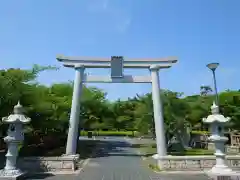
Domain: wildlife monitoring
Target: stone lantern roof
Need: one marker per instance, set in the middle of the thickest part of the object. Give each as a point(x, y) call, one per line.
point(215, 116)
point(17, 116)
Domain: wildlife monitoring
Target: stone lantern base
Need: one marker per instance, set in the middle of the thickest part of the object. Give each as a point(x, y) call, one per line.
point(220, 169)
point(223, 172)
point(11, 174)
point(224, 175)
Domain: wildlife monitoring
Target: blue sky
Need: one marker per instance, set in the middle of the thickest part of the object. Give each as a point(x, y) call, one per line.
point(197, 31)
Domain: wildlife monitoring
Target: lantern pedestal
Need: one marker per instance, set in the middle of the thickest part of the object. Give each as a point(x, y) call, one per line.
point(219, 142)
point(220, 170)
point(13, 139)
point(11, 174)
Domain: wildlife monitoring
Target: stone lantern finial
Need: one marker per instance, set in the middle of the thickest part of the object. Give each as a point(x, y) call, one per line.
point(18, 109)
point(214, 108)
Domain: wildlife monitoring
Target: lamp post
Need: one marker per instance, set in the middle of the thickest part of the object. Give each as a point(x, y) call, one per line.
point(213, 67)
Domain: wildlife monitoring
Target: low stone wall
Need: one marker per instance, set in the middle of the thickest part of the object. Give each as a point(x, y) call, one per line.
point(195, 163)
point(228, 149)
point(48, 164)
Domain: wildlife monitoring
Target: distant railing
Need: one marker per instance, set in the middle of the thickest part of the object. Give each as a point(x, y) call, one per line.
point(235, 139)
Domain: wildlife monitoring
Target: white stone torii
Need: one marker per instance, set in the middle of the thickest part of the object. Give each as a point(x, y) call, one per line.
point(80, 63)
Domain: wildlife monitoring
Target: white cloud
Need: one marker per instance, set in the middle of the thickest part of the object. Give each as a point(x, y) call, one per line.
point(123, 25)
point(105, 4)
point(97, 6)
point(116, 16)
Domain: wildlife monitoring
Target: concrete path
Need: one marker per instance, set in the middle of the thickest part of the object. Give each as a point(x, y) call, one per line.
point(116, 160)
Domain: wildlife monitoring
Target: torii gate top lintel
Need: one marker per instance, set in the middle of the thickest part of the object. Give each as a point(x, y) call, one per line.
point(117, 64)
point(94, 62)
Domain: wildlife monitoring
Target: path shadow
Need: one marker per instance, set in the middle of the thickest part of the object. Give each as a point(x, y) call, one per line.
point(38, 176)
point(115, 148)
point(2, 158)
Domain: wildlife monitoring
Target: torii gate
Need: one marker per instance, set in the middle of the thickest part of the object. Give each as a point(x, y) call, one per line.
point(116, 63)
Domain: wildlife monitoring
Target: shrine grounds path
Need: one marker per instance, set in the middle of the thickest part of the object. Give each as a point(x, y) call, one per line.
point(117, 160)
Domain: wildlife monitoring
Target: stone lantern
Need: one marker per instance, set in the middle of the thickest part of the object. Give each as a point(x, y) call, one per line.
point(217, 122)
point(13, 139)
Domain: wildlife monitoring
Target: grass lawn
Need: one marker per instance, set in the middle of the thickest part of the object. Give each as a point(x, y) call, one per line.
point(149, 150)
point(193, 152)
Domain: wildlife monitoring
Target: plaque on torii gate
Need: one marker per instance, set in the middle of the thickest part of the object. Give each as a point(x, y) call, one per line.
point(117, 66)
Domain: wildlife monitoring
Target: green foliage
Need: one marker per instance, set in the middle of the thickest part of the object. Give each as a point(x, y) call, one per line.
point(154, 167)
point(193, 152)
point(149, 150)
point(205, 90)
point(49, 108)
point(200, 132)
point(20, 147)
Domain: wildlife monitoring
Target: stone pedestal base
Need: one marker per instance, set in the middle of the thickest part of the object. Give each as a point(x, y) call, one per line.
point(74, 158)
point(11, 174)
point(220, 170)
point(225, 174)
point(159, 161)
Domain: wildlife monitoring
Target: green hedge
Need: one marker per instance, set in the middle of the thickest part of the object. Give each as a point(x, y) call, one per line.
point(193, 152)
point(200, 132)
point(110, 133)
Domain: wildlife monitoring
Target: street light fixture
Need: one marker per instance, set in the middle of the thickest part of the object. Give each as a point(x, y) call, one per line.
point(213, 67)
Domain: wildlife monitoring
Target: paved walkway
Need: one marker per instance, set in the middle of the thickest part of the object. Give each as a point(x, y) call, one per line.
point(116, 160)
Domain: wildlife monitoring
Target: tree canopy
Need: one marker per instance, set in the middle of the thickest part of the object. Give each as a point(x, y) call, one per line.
point(49, 107)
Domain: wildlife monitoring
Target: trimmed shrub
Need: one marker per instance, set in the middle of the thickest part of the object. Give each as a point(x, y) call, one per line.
point(109, 133)
point(200, 132)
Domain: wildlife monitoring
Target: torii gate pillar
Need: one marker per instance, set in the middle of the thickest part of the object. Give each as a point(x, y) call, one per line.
point(158, 111)
point(73, 130)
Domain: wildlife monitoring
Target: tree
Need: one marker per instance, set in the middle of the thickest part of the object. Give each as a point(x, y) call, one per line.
point(144, 118)
point(205, 90)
